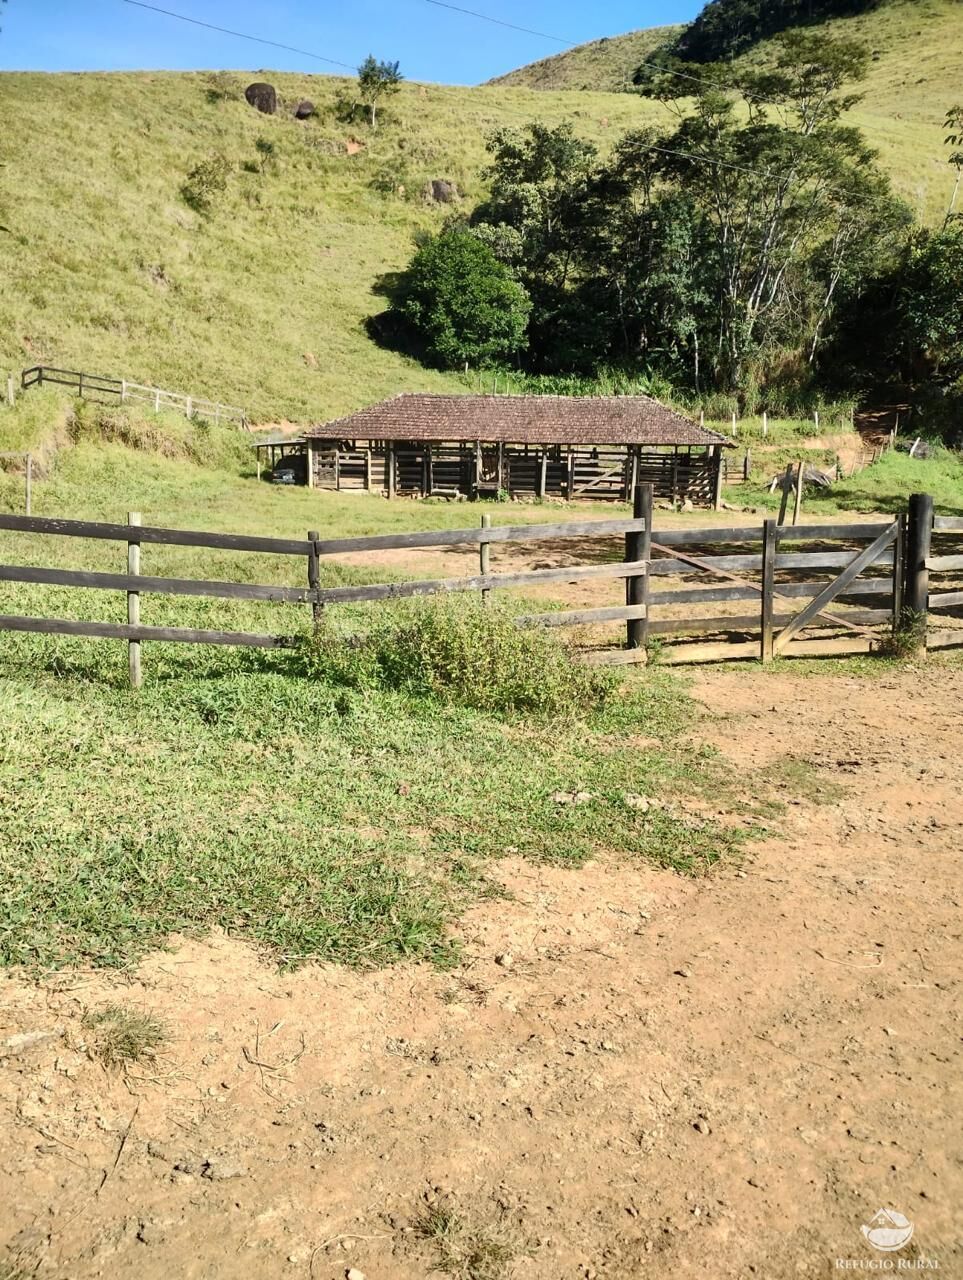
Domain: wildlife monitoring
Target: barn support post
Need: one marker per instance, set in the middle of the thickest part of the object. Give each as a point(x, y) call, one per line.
point(133, 605)
point(919, 529)
point(314, 576)
point(485, 557)
point(390, 471)
point(717, 477)
point(542, 471)
point(309, 463)
point(638, 546)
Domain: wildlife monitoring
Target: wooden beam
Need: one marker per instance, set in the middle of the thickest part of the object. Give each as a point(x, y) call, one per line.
point(580, 617)
point(172, 537)
point(142, 582)
point(120, 631)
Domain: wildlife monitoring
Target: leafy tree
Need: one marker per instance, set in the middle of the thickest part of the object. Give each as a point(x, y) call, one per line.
point(377, 80)
point(461, 301)
point(726, 28)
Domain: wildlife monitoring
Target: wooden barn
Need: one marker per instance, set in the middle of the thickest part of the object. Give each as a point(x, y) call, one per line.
point(527, 446)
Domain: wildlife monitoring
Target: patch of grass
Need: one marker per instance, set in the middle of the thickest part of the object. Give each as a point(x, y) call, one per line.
point(794, 779)
point(321, 819)
point(118, 1034)
point(468, 1247)
point(885, 486)
point(463, 653)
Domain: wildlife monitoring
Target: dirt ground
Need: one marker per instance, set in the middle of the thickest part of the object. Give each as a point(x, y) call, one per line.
point(632, 1075)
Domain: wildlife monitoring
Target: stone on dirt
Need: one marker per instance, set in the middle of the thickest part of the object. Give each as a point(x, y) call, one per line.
point(27, 1040)
point(220, 1169)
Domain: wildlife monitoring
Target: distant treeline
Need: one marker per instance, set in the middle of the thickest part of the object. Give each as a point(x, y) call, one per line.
point(726, 28)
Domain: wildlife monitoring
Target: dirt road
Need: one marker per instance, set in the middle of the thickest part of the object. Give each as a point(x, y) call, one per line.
point(633, 1075)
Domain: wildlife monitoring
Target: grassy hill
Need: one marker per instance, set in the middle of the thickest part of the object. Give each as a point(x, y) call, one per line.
point(104, 267)
point(263, 303)
point(605, 65)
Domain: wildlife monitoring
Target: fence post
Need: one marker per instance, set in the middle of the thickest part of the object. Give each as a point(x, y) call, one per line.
point(28, 484)
point(10, 396)
point(899, 571)
point(769, 547)
point(786, 489)
point(80, 384)
point(797, 502)
point(747, 465)
point(314, 576)
point(919, 529)
point(157, 402)
point(123, 391)
point(720, 463)
point(485, 557)
point(133, 605)
point(638, 546)
point(765, 423)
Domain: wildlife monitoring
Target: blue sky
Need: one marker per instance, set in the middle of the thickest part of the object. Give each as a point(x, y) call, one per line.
point(432, 43)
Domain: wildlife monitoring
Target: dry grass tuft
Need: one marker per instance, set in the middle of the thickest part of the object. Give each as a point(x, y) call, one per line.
point(118, 1035)
point(468, 1247)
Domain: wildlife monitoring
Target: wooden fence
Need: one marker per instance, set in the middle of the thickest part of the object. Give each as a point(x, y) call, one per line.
point(871, 576)
point(88, 384)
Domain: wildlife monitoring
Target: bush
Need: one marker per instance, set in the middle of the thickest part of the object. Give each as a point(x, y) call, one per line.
point(461, 302)
point(462, 652)
point(205, 182)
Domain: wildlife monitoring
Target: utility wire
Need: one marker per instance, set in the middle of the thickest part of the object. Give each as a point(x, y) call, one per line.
point(241, 35)
point(569, 44)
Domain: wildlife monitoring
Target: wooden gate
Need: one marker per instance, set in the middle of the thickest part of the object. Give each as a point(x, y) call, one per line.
point(775, 642)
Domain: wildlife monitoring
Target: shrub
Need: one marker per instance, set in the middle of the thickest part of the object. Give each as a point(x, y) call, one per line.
point(462, 652)
point(461, 301)
point(222, 87)
point(205, 182)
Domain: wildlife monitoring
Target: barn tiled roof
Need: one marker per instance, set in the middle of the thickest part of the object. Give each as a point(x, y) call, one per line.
point(520, 420)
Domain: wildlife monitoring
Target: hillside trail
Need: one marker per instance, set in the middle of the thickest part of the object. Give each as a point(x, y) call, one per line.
point(632, 1074)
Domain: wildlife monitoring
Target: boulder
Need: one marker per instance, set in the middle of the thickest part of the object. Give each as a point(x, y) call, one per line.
point(305, 109)
point(440, 191)
point(262, 96)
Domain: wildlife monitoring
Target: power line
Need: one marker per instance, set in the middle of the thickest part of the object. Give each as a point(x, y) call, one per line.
point(568, 44)
point(241, 35)
point(472, 13)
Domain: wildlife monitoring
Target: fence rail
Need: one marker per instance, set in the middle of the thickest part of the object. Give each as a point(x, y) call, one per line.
point(712, 567)
point(90, 383)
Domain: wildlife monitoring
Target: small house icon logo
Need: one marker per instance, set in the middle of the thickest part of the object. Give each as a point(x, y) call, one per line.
point(888, 1230)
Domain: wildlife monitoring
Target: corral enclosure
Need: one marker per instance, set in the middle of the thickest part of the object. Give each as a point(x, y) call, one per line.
point(878, 577)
